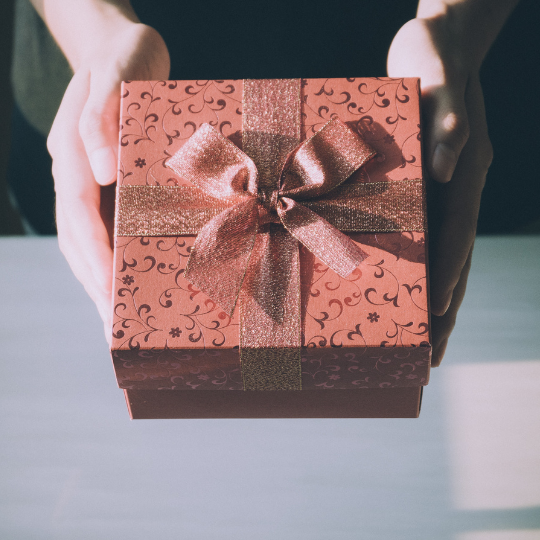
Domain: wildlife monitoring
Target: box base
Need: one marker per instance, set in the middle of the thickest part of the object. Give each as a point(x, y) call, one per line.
point(364, 403)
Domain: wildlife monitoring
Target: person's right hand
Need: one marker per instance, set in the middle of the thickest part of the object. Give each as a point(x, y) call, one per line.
point(83, 144)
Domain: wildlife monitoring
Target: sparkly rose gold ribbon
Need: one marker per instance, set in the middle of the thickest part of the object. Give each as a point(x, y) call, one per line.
point(357, 207)
point(220, 255)
point(237, 204)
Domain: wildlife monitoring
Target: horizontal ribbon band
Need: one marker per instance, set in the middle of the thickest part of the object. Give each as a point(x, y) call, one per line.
point(164, 210)
point(359, 207)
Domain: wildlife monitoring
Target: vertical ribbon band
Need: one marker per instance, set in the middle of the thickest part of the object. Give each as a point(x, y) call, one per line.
point(270, 342)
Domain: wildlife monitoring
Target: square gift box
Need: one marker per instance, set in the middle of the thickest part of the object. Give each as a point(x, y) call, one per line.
point(270, 249)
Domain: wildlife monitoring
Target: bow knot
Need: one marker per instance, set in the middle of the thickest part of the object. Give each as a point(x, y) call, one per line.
point(269, 200)
point(268, 206)
point(224, 245)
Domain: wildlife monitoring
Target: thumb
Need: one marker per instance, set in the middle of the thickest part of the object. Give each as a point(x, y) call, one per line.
point(98, 127)
point(447, 128)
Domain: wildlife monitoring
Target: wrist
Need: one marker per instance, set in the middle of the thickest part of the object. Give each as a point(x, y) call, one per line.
point(426, 48)
point(467, 27)
point(84, 27)
point(106, 41)
point(454, 40)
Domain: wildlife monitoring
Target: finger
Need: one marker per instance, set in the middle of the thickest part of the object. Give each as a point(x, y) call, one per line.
point(451, 240)
point(84, 243)
point(453, 218)
point(441, 327)
point(99, 125)
point(446, 127)
point(107, 325)
point(78, 265)
point(81, 233)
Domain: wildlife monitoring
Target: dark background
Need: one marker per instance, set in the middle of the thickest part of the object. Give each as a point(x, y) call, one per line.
point(212, 40)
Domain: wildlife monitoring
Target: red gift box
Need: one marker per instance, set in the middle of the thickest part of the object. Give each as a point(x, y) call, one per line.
point(363, 339)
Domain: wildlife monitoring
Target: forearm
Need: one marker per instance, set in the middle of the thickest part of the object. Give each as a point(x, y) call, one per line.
point(79, 26)
point(472, 25)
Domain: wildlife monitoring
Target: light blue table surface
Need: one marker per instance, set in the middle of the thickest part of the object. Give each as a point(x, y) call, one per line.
point(74, 467)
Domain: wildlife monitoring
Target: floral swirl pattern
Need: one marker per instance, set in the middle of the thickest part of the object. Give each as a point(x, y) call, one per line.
point(368, 330)
point(159, 116)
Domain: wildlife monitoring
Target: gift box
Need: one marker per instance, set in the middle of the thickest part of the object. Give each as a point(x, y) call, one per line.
point(270, 249)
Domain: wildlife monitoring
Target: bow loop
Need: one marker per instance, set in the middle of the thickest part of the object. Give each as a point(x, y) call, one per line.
point(214, 164)
point(324, 161)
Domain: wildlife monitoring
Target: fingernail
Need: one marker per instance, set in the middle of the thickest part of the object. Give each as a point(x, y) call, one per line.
point(438, 355)
point(444, 162)
point(439, 309)
point(104, 165)
point(108, 334)
point(447, 302)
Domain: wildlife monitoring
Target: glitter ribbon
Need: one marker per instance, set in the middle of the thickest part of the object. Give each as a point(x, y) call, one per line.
point(250, 209)
point(221, 253)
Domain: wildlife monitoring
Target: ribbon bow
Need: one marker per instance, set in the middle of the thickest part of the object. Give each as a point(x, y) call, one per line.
point(223, 248)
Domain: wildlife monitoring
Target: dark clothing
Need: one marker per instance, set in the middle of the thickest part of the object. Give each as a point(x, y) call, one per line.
point(29, 175)
point(277, 39)
point(317, 38)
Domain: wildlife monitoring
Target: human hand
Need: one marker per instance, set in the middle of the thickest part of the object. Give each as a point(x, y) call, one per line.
point(457, 155)
point(83, 144)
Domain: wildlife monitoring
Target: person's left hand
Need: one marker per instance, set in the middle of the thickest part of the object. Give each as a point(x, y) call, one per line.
point(457, 154)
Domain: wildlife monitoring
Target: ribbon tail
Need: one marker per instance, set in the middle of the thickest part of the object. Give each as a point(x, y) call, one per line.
point(221, 253)
point(330, 245)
